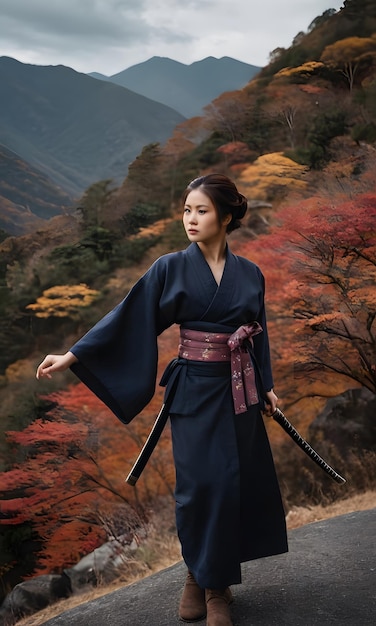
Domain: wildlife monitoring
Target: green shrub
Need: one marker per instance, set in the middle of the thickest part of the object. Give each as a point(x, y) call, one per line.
point(299, 155)
point(324, 128)
point(364, 132)
point(141, 215)
point(133, 250)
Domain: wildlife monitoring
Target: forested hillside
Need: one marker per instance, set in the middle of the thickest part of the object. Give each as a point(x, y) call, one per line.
point(73, 128)
point(27, 197)
point(300, 141)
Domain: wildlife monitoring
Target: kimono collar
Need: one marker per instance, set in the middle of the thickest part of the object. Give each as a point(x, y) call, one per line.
point(217, 297)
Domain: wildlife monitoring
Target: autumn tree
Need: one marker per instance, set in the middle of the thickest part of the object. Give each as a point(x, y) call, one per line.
point(349, 55)
point(63, 301)
point(226, 115)
point(324, 296)
point(301, 73)
point(67, 480)
point(236, 152)
point(272, 176)
point(49, 489)
point(288, 115)
point(240, 116)
point(292, 108)
point(69, 476)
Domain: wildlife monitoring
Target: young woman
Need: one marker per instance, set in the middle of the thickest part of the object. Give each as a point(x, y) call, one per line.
point(228, 502)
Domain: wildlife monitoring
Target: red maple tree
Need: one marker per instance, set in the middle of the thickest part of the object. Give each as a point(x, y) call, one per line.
point(70, 482)
point(320, 266)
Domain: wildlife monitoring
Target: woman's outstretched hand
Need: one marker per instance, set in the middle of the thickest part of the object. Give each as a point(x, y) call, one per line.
point(55, 363)
point(270, 402)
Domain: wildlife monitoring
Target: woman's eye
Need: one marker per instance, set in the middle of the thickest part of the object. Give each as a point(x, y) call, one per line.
point(202, 212)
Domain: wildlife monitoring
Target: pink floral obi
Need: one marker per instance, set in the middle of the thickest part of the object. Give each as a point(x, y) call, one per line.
point(218, 347)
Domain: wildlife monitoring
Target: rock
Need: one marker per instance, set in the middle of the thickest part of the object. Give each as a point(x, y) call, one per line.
point(32, 595)
point(347, 421)
point(100, 566)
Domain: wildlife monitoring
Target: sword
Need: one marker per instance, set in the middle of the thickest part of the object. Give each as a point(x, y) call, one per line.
point(158, 426)
point(279, 417)
point(149, 445)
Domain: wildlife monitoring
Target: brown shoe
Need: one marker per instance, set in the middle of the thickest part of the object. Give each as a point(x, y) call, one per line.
point(217, 605)
point(192, 604)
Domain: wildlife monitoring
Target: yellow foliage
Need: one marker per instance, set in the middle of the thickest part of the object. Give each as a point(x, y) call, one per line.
point(155, 229)
point(347, 50)
point(63, 300)
point(269, 173)
point(19, 371)
point(307, 68)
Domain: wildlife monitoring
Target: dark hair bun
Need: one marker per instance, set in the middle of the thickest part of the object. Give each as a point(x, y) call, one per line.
point(241, 209)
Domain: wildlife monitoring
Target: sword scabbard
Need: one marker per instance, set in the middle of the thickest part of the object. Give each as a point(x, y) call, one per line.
point(159, 424)
point(148, 446)
point(282, 420)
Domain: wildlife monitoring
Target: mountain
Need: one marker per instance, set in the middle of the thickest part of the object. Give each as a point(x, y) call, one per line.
point(99, 76)
point(73, 128)
point(27, 197)
point(185, 88)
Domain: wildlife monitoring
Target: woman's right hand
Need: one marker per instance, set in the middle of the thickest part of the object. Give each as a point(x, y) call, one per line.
point(55, 363)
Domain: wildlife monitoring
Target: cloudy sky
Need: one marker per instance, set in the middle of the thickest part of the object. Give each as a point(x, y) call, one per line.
point(110, 35)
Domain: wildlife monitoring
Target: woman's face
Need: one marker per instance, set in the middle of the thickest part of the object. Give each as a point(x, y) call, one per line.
point(200, 219)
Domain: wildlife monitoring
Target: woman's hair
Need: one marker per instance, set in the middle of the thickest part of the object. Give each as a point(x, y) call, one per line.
point(224, 195)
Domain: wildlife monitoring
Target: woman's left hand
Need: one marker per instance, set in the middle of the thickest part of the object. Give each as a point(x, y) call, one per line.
point(270, 402)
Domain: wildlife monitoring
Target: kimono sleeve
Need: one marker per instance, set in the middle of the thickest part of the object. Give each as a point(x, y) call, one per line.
point(117, 358)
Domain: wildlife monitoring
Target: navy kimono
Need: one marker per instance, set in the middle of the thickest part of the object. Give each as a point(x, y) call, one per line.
point(228, 503)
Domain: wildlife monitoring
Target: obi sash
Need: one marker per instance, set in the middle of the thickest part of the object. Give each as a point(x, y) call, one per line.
point(220, 347)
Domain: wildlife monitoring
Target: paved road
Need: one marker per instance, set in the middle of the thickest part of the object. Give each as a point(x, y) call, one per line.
point(327, 577)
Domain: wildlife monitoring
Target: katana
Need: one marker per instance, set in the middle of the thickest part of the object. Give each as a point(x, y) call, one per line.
point(158, 426)
point(279, 417)
point(149, 445)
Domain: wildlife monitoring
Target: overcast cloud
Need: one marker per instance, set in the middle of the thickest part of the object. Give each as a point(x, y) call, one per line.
point(110, 35)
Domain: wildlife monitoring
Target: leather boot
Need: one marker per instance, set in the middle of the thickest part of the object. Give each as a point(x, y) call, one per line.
point(192, 604)
point(217, 606)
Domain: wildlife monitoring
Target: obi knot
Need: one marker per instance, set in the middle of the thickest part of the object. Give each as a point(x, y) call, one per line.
point(243, 380)
point(247, 331)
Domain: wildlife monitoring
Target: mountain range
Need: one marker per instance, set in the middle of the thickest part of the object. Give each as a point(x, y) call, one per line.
point(74, 128)
point(70, 130)
point(185, 88)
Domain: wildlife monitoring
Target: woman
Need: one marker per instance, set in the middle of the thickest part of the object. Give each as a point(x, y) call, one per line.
point(228, 503)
